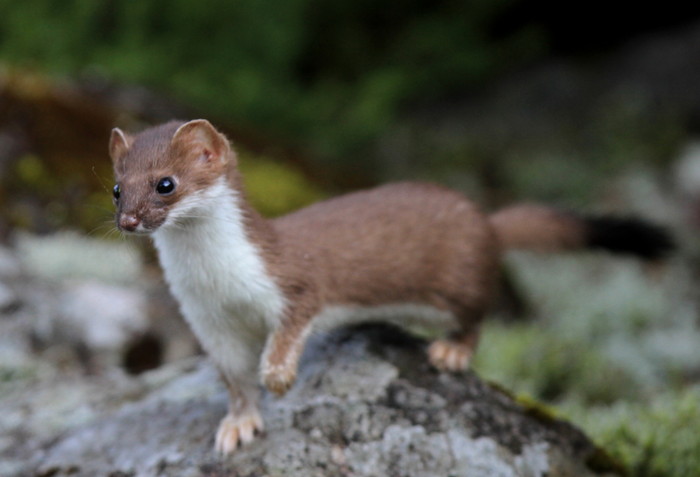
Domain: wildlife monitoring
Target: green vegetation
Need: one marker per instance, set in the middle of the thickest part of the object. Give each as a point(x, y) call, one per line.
point(533, 359)
point(274, 188)
point(612, 349)
point(653, 439)
point(328, 76)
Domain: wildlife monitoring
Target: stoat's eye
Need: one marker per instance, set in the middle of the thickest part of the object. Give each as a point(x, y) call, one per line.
point(165, 186)
point(116, 192)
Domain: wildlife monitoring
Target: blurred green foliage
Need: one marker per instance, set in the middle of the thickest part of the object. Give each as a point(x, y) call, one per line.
point(274, 188)
point(540, 362)
point(327, 76)
point(651, 440)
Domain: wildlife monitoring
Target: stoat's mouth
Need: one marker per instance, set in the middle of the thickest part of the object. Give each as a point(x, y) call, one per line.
point(139, 230)
point(139, 223)
point(131, 225)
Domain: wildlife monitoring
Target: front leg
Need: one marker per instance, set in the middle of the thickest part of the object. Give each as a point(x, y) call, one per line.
point(243, 420)
point(280, 360)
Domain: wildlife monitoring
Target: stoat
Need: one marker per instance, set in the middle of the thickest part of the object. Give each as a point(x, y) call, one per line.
point(253, 289)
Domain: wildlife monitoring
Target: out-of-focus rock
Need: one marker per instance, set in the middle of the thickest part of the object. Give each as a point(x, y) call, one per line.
point(103, 317)
point(88, 296)
point(88, 303)
point(366, 404)
point(10, 266)
point(68, 255)
point(10, 273)
point(8, 298)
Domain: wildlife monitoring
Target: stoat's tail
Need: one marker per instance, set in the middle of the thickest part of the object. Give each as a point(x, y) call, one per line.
point(536, 227)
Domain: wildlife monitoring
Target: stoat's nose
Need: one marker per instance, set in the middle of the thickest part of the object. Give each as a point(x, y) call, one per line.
point(128, 222)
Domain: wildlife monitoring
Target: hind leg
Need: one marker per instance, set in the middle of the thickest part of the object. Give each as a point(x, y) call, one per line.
point(466, 290)
point(455, 352)
point(243, 420)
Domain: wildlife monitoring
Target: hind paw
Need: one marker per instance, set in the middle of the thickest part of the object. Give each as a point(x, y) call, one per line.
point(448, 355)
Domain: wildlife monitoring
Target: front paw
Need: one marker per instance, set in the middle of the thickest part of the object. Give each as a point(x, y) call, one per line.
point(237, 429)
point(278, 379)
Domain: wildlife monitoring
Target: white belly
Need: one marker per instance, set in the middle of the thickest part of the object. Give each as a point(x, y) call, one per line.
point(412, 316)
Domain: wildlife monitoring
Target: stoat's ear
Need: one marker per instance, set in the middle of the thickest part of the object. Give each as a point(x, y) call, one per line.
point(119, 144)
point(201, 137)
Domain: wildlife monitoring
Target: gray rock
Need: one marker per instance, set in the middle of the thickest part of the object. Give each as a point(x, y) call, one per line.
point(10, 266)
point(366, 404)
point(11, 275)
point(102, 316)
point(68, 255)
point(9, 299)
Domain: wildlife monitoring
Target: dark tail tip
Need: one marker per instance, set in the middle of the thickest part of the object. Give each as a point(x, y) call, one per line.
point(629, 236)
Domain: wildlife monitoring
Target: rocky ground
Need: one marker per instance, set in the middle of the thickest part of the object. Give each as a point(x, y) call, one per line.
point(366, 403)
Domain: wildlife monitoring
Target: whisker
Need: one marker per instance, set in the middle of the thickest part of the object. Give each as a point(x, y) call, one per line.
point(101, 181)
point(99, 228)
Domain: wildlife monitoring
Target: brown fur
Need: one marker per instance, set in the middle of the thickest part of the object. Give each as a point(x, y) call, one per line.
point(400, 243)
point(155, 153)
point(415, 243)
point(537, 227)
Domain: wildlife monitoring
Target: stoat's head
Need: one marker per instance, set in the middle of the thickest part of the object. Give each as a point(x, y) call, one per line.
point(163, 171)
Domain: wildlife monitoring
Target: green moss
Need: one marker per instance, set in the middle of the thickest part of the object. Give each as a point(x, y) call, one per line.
point(659, 438)
point(537, 409)
point(534, 360)
point(31, 172)
point(275, 188)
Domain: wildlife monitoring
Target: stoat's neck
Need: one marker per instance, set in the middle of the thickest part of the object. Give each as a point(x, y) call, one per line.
point(214, 249)
point(258, 229)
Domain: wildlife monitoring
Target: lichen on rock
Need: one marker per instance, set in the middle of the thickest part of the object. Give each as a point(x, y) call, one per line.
point(366, 404)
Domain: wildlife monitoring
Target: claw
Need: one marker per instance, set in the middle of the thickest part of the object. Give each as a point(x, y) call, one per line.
point(238, 429)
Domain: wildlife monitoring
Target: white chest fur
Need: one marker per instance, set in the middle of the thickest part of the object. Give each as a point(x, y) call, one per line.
point(219, 277)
